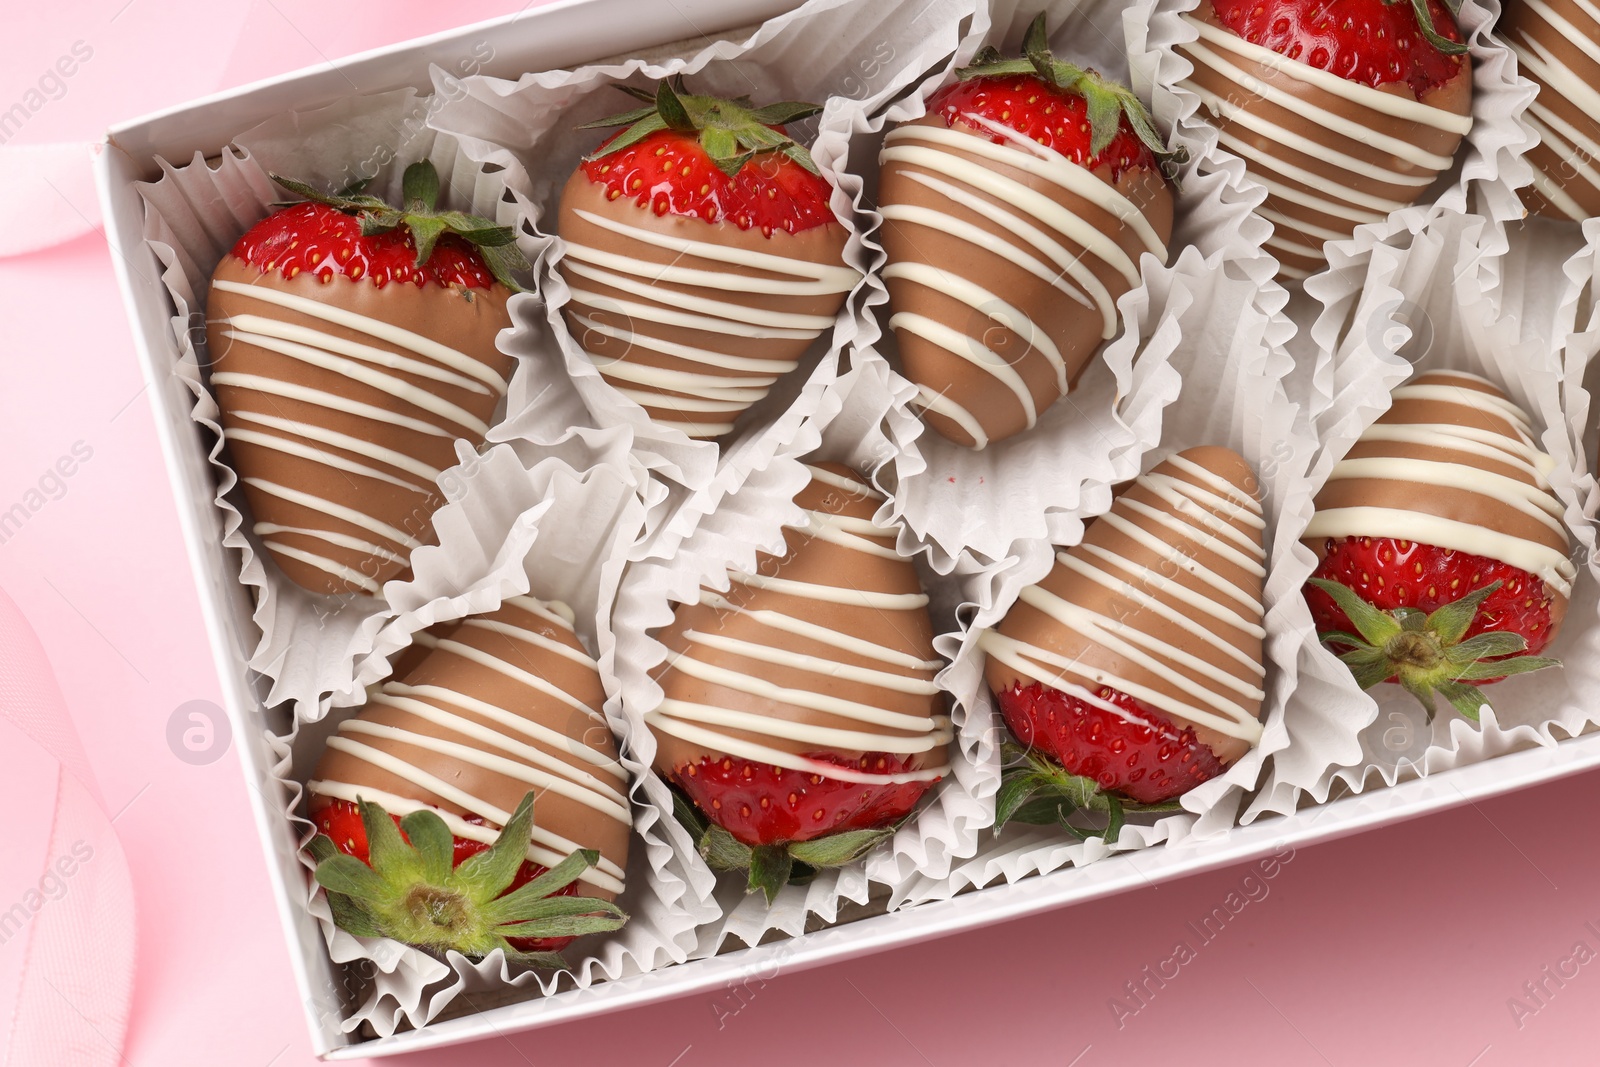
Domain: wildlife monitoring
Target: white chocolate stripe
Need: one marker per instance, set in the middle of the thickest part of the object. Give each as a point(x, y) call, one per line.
point(1322, 117)
point(383, 331)
point(1531, 500)
point(1061, 258)
point(779, 758)
point(749, 389)
point(824, 530)
point(829, 736)
point(980, 299)
point(1010, 191)
point(900, 683)
point(1470, 439)
point(673, 274)
point(941, 404)
point(343, 540)
point(517, 770)
point(1189, 564)
point(1384, 103)
point(842, 278)
point(690, 320)
point(1546, 186)
point(1119, 637)
point(722, 309)
point(511, 720)
point(974, 352)
point(1467, 397)
point(688, 352)
point(1177, 524)
point(777, 620)
point(531, 637)
point(1045, 163)
point(1547, 563)
point(360, 447)
point(338, 511)
point(800, 698)
point(1204, 604)
point(1240, 147)
point(676, 402)
point(1019, 657)
point(317, 455)
point(348, 575)
point(834, 594)
point(527, 678)
point(1221, 488)
point(261, 326)
point(291, 391)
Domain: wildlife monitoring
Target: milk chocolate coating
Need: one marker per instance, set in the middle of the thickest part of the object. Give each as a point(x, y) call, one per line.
point(1311, 197)
point(508, 660)
point(663, 346)
point(1550, 40)
point(314, 460)
point(1137, 571)
point(1074, 328)
point(900, 637)
point(1471, 437)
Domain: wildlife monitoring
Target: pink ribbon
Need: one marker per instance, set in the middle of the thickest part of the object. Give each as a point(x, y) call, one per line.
point(77, 977)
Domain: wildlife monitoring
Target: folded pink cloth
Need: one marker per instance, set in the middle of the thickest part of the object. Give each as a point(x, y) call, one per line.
point(71, 1005)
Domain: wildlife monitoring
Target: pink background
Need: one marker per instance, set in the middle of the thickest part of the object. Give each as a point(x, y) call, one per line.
point(1403, 945)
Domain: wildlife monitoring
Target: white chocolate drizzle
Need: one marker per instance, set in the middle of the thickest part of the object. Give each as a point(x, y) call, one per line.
point(1565, 174)
point(496, 738)
point(882, 730)
point(688, 298)
point(1220, 689)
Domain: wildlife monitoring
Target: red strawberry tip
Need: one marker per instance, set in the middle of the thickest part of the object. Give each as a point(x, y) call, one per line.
point(495, 245)
point(1109, 102)
point(1427, 653)
point(1430, 30)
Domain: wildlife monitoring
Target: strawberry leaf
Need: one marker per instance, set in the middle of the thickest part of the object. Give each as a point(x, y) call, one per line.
point(836, 850)
point(1450, 621)
point(425, 231)
point(722, 851)
point(350, 877)
point(770, 866)
point(1467, 699)
point(544, 961)
point(1374, 625)
point(1505, 668)
point(490, 871)
point(670, 107)
point(433, 842)
point(351, 917)
point(1486, 646)
point(420, 186)
point(784, 113)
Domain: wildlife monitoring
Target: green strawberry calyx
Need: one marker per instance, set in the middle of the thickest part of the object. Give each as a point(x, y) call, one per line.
point(1108, 101)
point(731, 132)
point(1040, 792)
point(771, 867)
point(420, 189)
point(410, 892)
point(1424, 651)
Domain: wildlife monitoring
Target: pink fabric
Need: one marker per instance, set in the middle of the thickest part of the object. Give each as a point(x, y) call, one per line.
point(76, 979)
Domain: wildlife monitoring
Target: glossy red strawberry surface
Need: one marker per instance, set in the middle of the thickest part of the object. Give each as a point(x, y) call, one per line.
point(1368, 41)
point(668, 172)
point(765, 805)
point(1054, 117)
point(1139, 755)
point(322, 240)
point(1389, 573)
point(340, 820)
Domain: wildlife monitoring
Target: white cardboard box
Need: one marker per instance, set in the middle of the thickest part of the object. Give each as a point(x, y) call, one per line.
point(565, 34)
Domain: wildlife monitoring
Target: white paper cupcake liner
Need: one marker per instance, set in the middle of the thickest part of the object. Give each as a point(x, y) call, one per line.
point(573, 529)
point(1034, 485)
point(849, 428)
point(1229, 353)
point(849, 54)
point(1422, 304)
point(317, 651)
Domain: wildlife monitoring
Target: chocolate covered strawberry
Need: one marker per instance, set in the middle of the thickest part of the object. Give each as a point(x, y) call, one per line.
point(351, 344)
point(1133, 671)
point(1443, 557)
point(425, 800)
point(1345, 110)
point(800, 721)
point(1015, 214)
point(702, 254)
